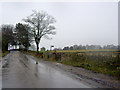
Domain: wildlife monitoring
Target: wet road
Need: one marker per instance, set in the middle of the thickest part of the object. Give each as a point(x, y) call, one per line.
point(22, 72)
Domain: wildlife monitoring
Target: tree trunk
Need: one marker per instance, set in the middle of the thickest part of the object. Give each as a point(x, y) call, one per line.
point(37, 48)
point(6, 48)
point(37, 43)
point(37, 51)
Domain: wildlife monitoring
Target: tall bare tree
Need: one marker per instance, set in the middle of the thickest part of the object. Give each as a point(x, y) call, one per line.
point(41, 24)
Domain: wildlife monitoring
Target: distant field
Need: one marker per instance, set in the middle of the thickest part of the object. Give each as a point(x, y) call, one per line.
point(97, 50)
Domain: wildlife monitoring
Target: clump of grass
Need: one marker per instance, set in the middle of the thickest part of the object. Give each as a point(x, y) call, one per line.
point(4, 53)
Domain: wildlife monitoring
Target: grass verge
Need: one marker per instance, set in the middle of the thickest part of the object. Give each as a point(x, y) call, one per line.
point(2, 54)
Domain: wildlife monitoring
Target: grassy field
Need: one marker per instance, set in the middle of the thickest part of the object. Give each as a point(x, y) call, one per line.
point(96, 50)
point(99, 61)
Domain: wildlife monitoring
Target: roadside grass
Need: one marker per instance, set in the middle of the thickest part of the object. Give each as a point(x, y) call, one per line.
point(2, 54)
point(99, 61)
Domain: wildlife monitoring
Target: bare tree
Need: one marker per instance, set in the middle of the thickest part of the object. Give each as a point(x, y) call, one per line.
point(41, 25)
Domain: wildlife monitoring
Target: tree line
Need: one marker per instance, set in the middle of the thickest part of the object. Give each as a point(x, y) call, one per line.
point(15, 35)
point(88, 47)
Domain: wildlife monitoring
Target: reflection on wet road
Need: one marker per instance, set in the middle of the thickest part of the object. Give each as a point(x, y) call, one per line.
point(22, 72)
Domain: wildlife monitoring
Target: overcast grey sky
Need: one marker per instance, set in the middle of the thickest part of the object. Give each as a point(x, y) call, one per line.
point(77, 22)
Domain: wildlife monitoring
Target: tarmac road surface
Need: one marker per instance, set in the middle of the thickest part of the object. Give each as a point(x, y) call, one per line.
point(22, 72)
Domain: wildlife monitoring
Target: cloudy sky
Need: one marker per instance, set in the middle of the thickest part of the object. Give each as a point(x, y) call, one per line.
point(77, 22)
